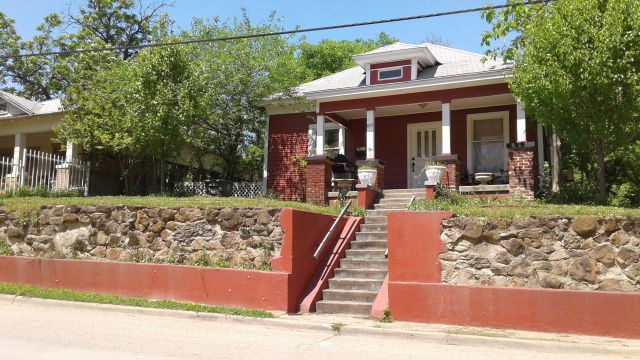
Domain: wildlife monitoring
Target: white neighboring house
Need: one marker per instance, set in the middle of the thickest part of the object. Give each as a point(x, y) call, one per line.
point(26, 130)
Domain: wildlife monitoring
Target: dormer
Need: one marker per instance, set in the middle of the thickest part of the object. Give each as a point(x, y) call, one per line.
point(394, 63)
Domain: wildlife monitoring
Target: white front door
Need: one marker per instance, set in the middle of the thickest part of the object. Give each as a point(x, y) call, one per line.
point(423, 143)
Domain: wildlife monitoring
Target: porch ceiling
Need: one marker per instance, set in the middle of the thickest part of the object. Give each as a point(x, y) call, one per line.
point(456, 104)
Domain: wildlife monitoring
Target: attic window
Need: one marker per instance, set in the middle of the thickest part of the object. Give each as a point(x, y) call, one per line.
point(3, 109)
point(390, 74)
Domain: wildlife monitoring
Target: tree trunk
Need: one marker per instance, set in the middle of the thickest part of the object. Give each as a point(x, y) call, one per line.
point(163, 166)
point(555, 161)
point(602, 183)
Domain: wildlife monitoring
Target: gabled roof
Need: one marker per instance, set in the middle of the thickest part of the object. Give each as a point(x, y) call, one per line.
point(32, 107)
point(450, 62)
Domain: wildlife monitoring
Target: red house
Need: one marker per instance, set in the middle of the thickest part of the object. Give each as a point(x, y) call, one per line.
point(402, 107)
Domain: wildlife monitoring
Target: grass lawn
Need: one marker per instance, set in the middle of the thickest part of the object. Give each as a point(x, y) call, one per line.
point(26, 204)
point(510, 208)
point(68, 295)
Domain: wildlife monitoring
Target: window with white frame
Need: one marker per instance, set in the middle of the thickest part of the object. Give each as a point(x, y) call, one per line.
point(487, 135)
point(333, 139)
point(3, 109)
point(390, 74)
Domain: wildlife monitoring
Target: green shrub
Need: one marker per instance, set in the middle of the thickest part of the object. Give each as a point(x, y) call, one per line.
point(357, 211)
point(386, 317)
point(140, 256)
point(577, 192)
point(625, 195)
point(5, 249)
point(545, 182)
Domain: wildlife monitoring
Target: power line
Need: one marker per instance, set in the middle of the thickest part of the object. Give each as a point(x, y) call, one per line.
point(276, 33)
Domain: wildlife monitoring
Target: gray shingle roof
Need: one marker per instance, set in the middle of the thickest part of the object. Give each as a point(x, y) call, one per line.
point(33, 107)
point(450, 62)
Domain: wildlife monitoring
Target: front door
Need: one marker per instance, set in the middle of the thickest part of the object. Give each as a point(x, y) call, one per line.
point(423, 143)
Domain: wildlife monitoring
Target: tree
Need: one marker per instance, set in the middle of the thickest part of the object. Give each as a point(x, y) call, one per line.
point(579, 70)
point(330, 56)
point(234, 80)
point(136, 111)
point(99, 23)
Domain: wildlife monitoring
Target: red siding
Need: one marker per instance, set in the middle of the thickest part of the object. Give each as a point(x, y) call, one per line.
point(287, 137)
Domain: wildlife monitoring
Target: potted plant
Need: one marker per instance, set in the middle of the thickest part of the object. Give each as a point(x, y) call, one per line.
point(435, 173)
point(367, 174)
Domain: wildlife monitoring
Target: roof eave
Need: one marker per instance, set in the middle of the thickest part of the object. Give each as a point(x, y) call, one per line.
point(493, 76)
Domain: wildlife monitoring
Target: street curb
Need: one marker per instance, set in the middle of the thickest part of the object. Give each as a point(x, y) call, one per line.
point(435, 337)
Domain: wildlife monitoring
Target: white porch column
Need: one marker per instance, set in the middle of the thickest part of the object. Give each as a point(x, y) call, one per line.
point(521, 123)
point(319, 135)
point(71, 152)
point(446, 128)
point(19, 143)
point(371, 134)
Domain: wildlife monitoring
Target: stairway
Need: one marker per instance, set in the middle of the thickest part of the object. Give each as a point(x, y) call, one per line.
point(356, 282)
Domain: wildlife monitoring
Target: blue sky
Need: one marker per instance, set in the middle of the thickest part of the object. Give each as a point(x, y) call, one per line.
point(463, 31)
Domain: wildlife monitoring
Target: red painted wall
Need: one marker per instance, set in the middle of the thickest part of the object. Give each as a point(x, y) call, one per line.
point(417, 294)
point(230, 287)
point(280, 289)
point(288, 136)
point(406, 71)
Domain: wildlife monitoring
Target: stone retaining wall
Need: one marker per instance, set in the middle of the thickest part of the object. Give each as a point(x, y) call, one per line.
point(235, 237)
point(583, 253)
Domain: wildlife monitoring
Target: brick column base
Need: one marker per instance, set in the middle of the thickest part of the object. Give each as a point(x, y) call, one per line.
point(521, 172)
point(318, 179)
point(379, 166)
point(452, 163)
point(367, 196)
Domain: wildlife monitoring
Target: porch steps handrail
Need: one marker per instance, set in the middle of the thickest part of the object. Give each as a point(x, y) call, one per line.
point(332, 229)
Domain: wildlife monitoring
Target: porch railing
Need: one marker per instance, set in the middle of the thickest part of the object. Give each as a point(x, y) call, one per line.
point(49, 172)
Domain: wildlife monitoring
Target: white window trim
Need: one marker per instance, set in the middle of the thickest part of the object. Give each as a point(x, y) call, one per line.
point(6, 109)
point(401, 68)
point(328, 126)
point(486, 116)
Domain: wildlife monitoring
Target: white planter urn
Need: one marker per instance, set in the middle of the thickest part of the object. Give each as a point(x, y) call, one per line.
point(435, 173)
point(367, 177)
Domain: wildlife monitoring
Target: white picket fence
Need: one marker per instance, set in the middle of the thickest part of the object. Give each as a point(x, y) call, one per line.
point(50, 172)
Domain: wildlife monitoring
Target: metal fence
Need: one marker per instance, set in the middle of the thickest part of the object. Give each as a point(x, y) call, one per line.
point(45, 171)
point(219, 188)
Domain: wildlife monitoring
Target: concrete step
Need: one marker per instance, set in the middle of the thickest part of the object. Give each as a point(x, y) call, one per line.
point(399, 201)
point(369, 244)
point(401, 196)
point(399, 207)
point(360, 274)
point(361, 254)
point(355, 284)
point(381, 212)
point(371, 235)
point(406, 192)
point(349, 295)
point(343, 307)
point(373, 219)
point(373, 264)
point(373, 228)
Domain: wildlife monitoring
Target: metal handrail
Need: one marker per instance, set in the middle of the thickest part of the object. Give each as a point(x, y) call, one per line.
point(331, 230)
point(413, 198)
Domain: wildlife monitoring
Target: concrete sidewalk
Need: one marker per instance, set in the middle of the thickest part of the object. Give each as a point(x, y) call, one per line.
point(361, 327)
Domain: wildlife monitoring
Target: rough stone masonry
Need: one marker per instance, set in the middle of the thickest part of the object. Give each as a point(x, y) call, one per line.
point(583, 253)
point(240, 237)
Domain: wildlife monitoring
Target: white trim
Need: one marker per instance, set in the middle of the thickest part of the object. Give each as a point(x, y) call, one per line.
point(414, 68)
point(397, 54)
point(444, 82)
point(368, 71)
point(485, 116)
point(446, 128)
point(391, 68)
point(371, 134)
point(521, 123)
point(265, 166)
point(431, 125)
point(313, 129)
